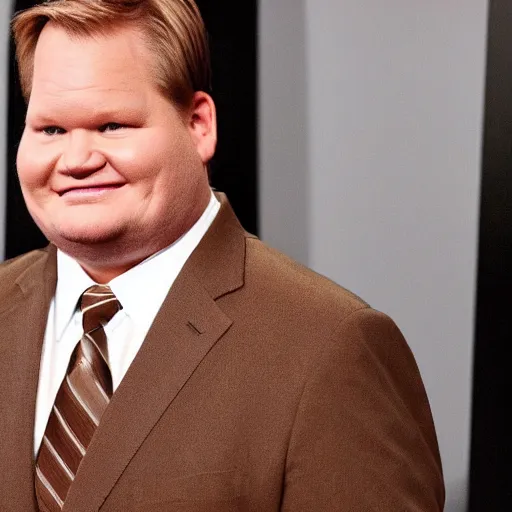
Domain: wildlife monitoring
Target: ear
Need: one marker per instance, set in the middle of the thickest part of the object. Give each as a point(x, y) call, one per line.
point(203, 125)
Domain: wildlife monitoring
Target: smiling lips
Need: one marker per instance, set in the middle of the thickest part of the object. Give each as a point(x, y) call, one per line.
point(89, 190)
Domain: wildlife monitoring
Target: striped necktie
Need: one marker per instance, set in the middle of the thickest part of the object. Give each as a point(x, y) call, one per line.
point(81, 400)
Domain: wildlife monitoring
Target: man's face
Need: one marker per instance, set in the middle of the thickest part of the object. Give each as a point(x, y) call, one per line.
point(105, 156)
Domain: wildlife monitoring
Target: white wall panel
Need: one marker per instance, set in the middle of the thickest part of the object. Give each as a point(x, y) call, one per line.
point(283, 127)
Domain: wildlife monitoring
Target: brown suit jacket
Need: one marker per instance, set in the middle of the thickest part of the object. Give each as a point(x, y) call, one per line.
point(260, 387)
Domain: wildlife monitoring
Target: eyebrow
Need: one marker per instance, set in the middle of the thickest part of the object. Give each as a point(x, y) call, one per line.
point(47, 117)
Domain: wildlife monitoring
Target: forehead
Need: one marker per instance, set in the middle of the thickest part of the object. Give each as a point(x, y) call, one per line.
point(103, 69)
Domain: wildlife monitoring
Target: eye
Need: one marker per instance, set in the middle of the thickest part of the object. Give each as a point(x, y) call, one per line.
point(111, 127)
point(53, 130)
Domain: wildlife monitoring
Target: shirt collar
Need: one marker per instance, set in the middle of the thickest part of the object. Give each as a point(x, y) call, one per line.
point(72, 281)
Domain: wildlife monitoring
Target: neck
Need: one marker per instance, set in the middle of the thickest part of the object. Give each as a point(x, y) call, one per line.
point(105, 275)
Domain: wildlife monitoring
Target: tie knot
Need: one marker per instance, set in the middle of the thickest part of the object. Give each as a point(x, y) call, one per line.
point(98, 305)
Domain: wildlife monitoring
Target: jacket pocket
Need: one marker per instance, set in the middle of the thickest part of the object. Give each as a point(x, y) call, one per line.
point(213, 491)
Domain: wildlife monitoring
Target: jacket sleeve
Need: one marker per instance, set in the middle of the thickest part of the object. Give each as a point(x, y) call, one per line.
point(363, 438)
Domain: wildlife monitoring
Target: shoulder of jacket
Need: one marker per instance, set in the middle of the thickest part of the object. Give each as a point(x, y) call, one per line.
point(277, 273)
point(11, 269)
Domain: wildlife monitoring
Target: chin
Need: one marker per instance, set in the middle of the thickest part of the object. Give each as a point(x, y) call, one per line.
point(83, 235)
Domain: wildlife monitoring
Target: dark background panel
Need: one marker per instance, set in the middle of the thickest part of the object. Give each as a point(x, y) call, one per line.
point(22, 234)
point(491, 445)
point(234, 167)
point(232, 26)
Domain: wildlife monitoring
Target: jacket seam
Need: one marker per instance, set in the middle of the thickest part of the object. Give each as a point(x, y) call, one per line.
point(307, 379)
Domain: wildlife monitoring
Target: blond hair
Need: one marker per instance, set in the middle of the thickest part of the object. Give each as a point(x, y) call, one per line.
point(173, 31)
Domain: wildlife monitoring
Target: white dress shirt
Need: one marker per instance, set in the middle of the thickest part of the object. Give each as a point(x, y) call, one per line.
point(141, 292)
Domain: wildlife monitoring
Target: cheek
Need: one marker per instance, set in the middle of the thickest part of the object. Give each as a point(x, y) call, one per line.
point(147, 158)
point(33, 164)
point(135, 157)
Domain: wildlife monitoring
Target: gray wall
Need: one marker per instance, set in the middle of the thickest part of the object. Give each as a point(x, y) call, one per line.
point(5, 15)
point(370, 135)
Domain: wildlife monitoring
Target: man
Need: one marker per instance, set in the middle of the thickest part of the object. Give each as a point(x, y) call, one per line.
point(155, 356)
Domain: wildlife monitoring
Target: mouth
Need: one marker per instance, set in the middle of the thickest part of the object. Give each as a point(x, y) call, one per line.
point(89, 190)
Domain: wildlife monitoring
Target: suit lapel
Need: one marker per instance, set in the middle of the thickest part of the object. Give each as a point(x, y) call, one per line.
point(186, 328)
point(23, 316)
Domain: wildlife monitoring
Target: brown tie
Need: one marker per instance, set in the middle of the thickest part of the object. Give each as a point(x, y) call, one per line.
point(81, 400)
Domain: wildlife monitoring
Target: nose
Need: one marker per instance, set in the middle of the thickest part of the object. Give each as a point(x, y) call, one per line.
point(80, 157)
